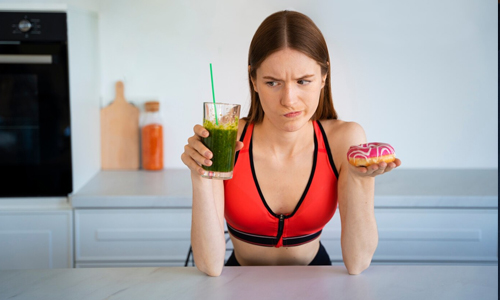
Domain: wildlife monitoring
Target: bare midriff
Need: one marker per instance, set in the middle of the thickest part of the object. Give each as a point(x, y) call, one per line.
point(254, 255)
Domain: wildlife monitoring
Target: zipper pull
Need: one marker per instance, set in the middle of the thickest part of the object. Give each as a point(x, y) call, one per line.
point(280, 230)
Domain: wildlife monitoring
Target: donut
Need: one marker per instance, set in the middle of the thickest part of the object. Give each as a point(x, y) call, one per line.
point(365, 155)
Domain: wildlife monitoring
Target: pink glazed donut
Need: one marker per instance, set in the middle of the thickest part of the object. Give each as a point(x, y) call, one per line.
point(365, 155)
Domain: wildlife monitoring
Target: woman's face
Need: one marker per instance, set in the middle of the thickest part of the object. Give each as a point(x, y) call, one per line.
point(289, 84)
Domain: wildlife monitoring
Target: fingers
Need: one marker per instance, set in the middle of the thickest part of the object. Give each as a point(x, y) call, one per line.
point(381, 168)
point(393, 165)
point(191, 164)
point(195, 153)
point(195, 141)
point(397, 162)
point(200, 131)
point(196, 156)
point(362, 171)
point(376, 169)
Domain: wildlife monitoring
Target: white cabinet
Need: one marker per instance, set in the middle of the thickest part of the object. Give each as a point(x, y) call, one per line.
point(131, 237)
point(423, 216)
point(161, 237)
point(427, 235)
point(36, 238)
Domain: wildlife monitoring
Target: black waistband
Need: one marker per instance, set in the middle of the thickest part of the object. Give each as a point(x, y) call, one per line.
point(321, 259)
point(270, 241)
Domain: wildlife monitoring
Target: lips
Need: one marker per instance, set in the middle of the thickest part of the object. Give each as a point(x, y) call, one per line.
point(293, 114)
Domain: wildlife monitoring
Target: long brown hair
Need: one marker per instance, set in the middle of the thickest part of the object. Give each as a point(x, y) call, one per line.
point(289, 29)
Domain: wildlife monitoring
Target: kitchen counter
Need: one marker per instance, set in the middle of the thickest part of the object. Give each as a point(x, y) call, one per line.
point(136, 189)
point(415, 188)
point(290, 282)
point(141, 218)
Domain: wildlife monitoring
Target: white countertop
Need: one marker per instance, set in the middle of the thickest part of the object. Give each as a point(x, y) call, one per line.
point(405, 188)
point(291, 282)
point(152, 189)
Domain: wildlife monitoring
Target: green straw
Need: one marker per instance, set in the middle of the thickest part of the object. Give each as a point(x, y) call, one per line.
point(213, 95)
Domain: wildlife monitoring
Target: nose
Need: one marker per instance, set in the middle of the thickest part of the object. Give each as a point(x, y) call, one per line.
point(289, 96)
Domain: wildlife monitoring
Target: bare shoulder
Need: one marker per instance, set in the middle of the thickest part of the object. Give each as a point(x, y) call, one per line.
point(241, 126)
point(341, 135)
point(344, 131)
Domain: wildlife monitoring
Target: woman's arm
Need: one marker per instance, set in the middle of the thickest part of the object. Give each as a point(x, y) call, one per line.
point(356, 187)
point(207, 222)
point(359, 236)
point(207, 225)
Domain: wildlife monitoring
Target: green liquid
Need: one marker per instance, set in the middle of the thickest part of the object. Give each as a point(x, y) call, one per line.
point(222, 142)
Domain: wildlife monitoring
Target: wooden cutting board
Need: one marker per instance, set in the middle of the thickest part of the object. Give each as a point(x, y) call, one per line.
point(120, 134)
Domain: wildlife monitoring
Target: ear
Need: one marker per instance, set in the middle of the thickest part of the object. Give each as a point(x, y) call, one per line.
point(251, 78)
point(324, 77)
point(323, 80)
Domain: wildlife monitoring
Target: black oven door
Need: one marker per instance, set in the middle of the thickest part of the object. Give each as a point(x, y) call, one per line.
point(35, 132)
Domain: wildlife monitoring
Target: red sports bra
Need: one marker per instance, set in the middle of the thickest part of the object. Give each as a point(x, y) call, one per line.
point(250, 219)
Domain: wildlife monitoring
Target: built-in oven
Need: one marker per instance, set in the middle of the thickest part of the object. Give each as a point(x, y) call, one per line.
point(35, 131)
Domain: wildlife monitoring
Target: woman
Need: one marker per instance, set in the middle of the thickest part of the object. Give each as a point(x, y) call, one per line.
point(291, 170)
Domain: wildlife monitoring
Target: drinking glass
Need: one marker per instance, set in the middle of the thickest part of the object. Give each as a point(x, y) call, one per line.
point(221, 139)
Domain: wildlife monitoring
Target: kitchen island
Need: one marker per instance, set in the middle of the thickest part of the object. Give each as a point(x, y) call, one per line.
point(284, 282)
point(143, 219)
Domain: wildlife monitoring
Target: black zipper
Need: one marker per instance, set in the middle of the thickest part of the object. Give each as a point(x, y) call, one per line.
point(280, 228)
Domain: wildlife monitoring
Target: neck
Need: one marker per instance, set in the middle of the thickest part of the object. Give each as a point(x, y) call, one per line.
point(281, 143)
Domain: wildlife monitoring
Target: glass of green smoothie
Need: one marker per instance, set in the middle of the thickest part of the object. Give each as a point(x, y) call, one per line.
point(221, 139)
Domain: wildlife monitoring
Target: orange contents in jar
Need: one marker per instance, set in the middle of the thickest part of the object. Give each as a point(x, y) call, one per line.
point(152, 147)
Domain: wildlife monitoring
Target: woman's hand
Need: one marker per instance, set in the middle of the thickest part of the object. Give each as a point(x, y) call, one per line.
point(375, 169)
point(196, 153)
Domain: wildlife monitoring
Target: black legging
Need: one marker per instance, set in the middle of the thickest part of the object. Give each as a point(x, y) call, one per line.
point(321, 259)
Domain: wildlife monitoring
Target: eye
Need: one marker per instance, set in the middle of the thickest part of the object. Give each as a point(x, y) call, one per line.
point(303, 82)
point(272, 83)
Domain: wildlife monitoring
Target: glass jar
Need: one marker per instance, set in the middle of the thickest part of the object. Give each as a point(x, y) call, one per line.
point(152, 137)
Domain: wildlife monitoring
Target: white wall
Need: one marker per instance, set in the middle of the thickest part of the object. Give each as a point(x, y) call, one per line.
point(421, 75)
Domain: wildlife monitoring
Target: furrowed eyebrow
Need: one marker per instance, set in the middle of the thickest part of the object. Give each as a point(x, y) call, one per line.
point(276, 79)
point(271, 78)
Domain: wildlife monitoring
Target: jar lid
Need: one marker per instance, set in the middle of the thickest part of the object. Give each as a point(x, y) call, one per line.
point(152, 106)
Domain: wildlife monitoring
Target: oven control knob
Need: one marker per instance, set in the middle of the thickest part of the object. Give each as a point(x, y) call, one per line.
point(24, 25)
